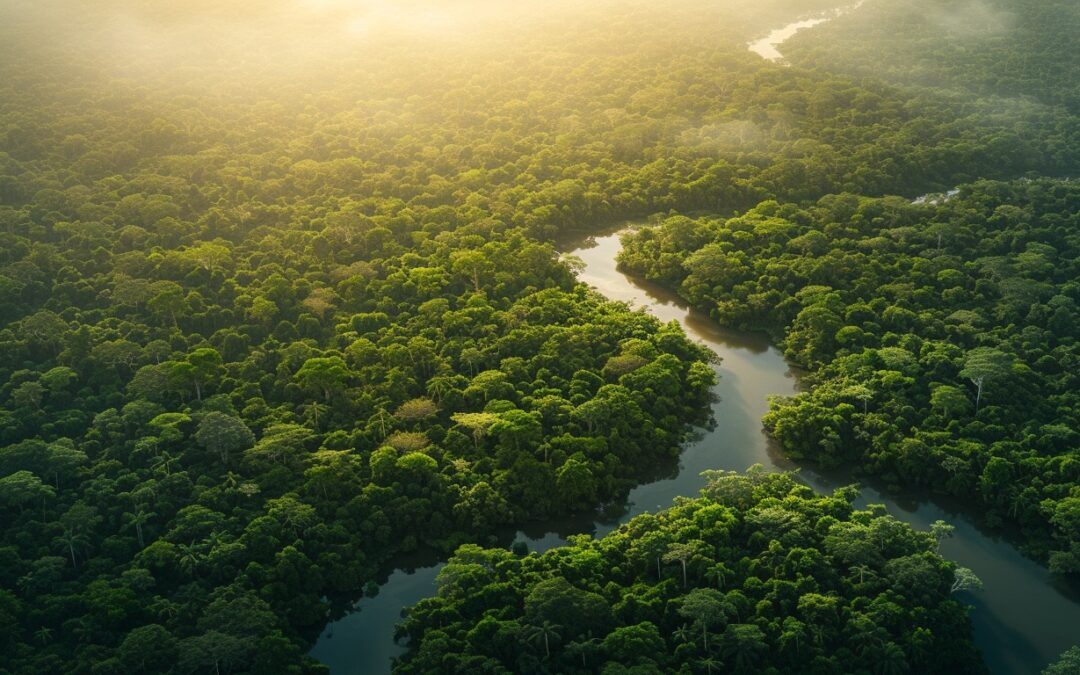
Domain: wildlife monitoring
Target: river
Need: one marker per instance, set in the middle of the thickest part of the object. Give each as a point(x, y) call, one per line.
point(1023, 618)
point(767, 47)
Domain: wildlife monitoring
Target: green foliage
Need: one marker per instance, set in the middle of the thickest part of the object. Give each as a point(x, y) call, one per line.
point(1068, 664)
point(273, 406)
point(938, 363)
point(791, 596)
point(264, 328)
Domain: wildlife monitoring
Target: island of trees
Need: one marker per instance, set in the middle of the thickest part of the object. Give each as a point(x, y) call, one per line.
point(758, 575)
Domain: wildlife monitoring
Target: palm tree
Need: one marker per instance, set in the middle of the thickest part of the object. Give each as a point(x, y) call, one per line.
point(44, 634)
point(212, 541)
point(382, 418)
point(190, 557)
point(311, 413)
point(583, 649)
point(71, 541)
point(1016, 498)
point(774, 556)
point(438, 387)
point(163, 461)
point(891, 661)
point(138, 519)
point(82, 627)
point(544, 632)
point(709, 662)
point(683, 634)
point(863, 570)
point(720, 572)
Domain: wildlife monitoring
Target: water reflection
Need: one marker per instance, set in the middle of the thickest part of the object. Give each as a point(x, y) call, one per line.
point(1023, 618)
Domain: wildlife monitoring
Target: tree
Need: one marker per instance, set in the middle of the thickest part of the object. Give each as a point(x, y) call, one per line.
point(584, 649)
point(558, 601)
point(985, 365)
point(207, 255)
point(794, 635)
point(681, 553)
point(223, 434)
point(516, 427)
point(862, 393)
point(543, 633)
point(708, 663)
point(168, 301)
point(21, 488)
point(72, 541)
point(683, 634)
point(1068, 664)
point(594, 413)
point(155, 382)
point(965, 580)
point(416, 409)
point(707, 607)
point(408, 441)
point(312, 410)
point(745, 644)
point(863, 570)
point(635, 643)
point(439, 386)
point(138, 518)
point(325, 375)
point(294, 515)
point(948, 399)
point(478, 423)
point(473, 265)
point(320, 301)
point(940, 531)
point(576, 484)
point(44, 328)
point(382, 420)
point(150, 648)
point(163, 461)
point(28, 395)
point(59, 379)
point(281, 443)
point(44, 635)
point(64, 458)
point(205, 366)
point(212, 649)
point(718, 571)
point(191, 556)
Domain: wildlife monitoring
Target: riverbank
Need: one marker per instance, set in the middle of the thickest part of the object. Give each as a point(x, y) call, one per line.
point(1023, 618)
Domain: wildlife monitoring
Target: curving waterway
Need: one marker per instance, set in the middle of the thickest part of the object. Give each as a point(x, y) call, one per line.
point(1023, 618)
point(767, 47)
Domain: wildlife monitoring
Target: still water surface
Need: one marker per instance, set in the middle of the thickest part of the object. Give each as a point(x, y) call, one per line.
point(1023, 619)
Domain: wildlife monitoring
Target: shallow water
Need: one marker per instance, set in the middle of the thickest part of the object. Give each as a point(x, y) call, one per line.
point(1023, 618)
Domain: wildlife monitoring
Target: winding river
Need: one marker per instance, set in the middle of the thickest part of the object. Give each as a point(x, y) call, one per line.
point(766, 47)
point(1023, 619)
